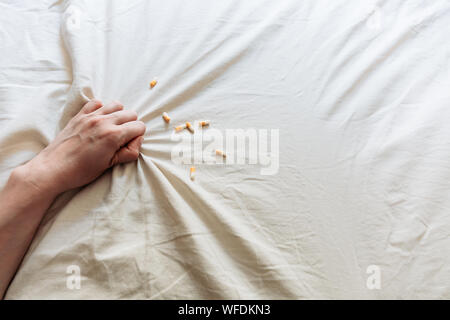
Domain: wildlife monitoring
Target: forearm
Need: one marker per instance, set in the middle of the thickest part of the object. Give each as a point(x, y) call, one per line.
point(22, 206)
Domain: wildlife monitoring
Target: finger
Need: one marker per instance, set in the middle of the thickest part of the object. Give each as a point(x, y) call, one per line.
point(121, 117)
point(129, 152)
point(110, 108)
point(91, 106)
point(131, 130)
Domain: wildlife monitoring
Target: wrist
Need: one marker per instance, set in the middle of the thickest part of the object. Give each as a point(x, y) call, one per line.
point(36, 179)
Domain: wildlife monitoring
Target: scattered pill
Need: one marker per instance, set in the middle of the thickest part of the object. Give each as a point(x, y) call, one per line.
point(204, 123)
point(153, 84)
point(220, 153)
point(192, 173)
point(166, 117)
point(179, 128)
point(189, 127)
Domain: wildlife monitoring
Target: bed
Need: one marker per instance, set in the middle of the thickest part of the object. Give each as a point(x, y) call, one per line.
point(336, 186)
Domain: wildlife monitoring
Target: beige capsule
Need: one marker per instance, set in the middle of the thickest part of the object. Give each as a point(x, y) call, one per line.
point(153, 83)
point(180, 128)
point(166, 117)
point(220, 153)
point(204, 123)
point(189, 127)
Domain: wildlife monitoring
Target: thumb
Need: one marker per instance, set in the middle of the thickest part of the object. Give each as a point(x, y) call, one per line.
point(129, 152)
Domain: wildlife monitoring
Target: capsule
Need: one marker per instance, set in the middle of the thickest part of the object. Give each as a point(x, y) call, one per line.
point(166, 117)
point(192, 173)
point(220, 153)
point(180, 128)
point(189, 127)
point(153, 84)
point(204, 123)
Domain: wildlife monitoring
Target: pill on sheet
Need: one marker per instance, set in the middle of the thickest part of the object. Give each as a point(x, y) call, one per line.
point(192, 173)
point(189, 127)
point(180, 128)
point(153, 84)
point(204, 123)
point(166, 117)
point(220, 153)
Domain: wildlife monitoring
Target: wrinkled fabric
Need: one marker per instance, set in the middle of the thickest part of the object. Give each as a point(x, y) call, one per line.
point(359, 94)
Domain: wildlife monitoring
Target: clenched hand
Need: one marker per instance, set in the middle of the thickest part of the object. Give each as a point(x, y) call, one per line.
point(97, 138)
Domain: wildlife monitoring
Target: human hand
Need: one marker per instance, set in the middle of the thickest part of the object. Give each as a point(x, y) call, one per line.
point(97, 138)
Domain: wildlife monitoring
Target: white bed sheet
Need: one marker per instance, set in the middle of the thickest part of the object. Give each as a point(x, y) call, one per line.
point(359, 91)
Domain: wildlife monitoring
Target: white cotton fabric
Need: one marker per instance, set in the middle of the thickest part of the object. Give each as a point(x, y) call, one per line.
point(359, 91)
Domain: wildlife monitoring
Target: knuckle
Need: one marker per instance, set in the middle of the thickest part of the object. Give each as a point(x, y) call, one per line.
point(93, 121)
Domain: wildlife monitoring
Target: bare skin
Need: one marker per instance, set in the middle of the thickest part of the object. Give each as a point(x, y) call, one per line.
point(97, 138)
